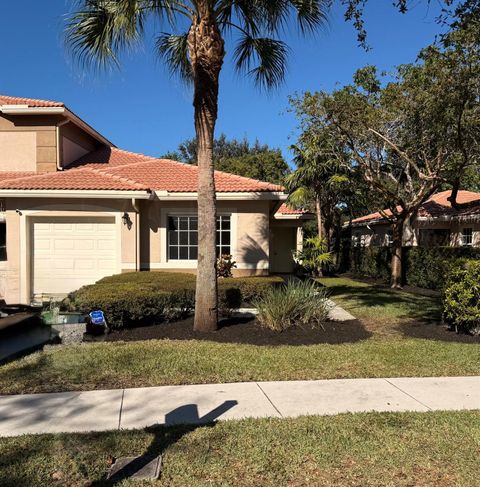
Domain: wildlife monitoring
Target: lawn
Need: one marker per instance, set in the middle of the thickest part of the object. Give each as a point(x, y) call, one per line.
point(373, 449)
point(398, 343)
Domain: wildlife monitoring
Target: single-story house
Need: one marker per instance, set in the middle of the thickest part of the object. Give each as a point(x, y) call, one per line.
point(75, 208)
point(436, 223)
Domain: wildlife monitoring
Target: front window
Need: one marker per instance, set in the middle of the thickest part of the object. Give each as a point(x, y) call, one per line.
point(183, 237)
point(467, 236)
point(3, 241)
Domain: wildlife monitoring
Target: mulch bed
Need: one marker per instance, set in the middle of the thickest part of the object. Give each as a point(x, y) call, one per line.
point(247, 331)
point(435, 331)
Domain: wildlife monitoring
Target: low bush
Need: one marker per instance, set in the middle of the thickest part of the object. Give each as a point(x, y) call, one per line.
point(296, 304)
point(136, 298)
point(130, 304)
point(371, 262)
point(251, 288)
point(461, 297)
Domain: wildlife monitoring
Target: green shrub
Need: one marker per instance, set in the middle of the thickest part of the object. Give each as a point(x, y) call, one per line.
point(150, 297)
point(423, 267)
point(461, 297)
point(251, 288)
point(300, 304)
point(128, 304)
point(371, 262)
point(428, 267)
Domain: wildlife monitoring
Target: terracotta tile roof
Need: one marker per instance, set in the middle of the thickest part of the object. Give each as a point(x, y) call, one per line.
point(438, 206)
point(288, 210)
point(73, 179)
point(115, 169)
point(165, 174)
point(6, 175)
point(30, 102)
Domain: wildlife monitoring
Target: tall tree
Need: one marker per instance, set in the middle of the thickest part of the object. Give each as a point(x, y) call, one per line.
point(101, 29)
point(412, 135)
point(257, 161)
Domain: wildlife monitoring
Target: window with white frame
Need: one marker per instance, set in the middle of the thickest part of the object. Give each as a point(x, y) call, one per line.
point(467, 236)
point(3, 241)
point(183, 236)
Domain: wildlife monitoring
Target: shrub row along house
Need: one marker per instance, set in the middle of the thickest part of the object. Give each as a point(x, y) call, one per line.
point(75, 208)
point(436, 224)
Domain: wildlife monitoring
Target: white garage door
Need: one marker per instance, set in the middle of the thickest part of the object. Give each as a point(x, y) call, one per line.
point(71, 252)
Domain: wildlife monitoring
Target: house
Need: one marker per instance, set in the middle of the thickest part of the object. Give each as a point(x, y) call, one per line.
point(75, 208)
point(436, 224)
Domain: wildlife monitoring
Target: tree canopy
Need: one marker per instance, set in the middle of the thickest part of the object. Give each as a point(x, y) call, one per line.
point(238, 156)
point(409, 135)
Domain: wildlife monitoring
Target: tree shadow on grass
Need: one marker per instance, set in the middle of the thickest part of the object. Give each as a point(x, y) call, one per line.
point(178, 423)
point(397, 303)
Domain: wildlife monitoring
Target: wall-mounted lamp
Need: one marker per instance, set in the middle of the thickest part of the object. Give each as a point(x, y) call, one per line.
point(126, 220)
point(18, 212)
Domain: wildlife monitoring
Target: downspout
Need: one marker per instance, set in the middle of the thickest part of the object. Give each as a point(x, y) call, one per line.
point(57, 135)
point(136, 207)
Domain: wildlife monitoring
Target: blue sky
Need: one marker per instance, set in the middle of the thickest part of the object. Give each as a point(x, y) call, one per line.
point(142, 109)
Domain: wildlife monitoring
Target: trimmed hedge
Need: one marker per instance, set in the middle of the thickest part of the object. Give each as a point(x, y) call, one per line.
point(461, 297)
point(423, 267)
point(137, 298)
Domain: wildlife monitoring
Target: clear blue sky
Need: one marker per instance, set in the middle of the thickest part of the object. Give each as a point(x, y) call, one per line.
point(140, 108)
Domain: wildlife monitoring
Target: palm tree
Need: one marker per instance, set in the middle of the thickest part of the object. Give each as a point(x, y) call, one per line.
point(320, 178)
point(100, 29)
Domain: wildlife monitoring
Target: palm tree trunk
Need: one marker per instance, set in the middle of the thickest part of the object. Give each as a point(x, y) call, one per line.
point(206, 51)
point(318, 211)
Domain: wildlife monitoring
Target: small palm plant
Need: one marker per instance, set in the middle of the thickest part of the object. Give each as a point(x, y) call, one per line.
point(314, 256)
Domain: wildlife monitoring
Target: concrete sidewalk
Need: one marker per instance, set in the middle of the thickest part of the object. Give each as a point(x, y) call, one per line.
point(196, 404)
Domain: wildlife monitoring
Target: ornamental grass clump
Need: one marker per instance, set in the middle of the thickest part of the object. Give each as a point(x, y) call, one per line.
point(296, 304)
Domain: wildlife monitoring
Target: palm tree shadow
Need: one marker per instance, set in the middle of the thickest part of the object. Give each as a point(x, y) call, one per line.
point(178, 423)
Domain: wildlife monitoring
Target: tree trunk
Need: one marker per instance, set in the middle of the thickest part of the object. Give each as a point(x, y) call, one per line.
point(318, 210)
point(206, 51)
point(397, 264)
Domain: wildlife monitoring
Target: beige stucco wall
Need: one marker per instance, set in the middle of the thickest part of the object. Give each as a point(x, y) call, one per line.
point(29, 142)
point(250, 234)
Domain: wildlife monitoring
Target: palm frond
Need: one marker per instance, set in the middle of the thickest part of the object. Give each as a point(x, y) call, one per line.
point(174, 50)
point(102, 28)
point(262, 58)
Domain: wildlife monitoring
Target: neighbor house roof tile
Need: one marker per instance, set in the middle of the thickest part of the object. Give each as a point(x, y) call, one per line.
point(30, 102)
point(437, 206)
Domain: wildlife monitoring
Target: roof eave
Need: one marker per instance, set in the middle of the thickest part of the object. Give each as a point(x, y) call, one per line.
point(222, 196)
point(79, 193)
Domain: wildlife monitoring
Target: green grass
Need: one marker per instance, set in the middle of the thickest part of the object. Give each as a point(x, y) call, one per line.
point(389, 352)
point(390, 449)
point(137, 364)
point(379, 303)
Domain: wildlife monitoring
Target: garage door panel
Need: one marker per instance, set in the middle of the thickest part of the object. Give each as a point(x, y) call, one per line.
point(70, 253)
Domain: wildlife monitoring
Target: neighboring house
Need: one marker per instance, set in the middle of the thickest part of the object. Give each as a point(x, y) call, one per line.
point(74, 208)
point(436, 224)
